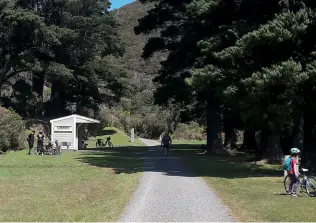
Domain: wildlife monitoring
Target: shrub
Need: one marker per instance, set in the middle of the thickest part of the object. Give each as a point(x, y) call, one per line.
point(191, 131)
point(148, 121)
point(12, 130)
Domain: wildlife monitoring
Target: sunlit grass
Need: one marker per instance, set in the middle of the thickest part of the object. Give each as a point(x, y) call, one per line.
point(253, 192)
point(118, 138)
point(75, 186)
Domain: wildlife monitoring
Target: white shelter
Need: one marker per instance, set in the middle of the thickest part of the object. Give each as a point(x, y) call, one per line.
point(66, 130)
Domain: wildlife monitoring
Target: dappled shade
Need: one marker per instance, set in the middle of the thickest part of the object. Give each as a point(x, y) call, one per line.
point(140, 159)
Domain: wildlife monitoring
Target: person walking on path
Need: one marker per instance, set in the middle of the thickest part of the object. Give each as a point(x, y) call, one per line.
point(165, 142)
point(294, 173)
point(30, 140)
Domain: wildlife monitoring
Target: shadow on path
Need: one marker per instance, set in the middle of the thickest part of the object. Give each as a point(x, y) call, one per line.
point(151, 159)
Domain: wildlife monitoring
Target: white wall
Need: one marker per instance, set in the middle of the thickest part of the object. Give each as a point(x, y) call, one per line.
point(63, 136)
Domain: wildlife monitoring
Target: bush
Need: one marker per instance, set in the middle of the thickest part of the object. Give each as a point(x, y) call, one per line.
point(12, 130)
point(191, 131)
point(148, 121)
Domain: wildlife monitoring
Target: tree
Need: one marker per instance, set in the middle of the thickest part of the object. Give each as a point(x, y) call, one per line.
point(193, 32)
point(63, 45)
point(245, 59)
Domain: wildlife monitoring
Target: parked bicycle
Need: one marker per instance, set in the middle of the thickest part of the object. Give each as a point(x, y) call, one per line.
point(49, 149)
point(307, 183)
point(39, 150)
point(100, 144)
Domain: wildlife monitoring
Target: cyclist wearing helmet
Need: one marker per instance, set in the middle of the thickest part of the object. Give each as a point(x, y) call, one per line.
point(294, 173)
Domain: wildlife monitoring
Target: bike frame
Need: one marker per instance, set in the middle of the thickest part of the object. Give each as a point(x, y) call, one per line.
point(100, 143)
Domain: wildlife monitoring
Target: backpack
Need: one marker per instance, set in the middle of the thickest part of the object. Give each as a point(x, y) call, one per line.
point(287, 164)
point(166, 140)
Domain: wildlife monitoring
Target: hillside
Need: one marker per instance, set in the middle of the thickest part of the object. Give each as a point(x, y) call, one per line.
point(140, 72)
point(136, 106)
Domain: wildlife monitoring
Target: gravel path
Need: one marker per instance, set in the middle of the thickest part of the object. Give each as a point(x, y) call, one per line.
point(169, 192)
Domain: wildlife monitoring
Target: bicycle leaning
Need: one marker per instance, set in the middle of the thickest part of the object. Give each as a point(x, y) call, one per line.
point(49, 149)
point(100, 144)
point(307, 183)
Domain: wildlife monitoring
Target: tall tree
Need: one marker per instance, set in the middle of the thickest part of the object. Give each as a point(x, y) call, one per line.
point(61, 44)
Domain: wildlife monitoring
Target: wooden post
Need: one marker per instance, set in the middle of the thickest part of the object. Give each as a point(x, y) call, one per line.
point(132, 135)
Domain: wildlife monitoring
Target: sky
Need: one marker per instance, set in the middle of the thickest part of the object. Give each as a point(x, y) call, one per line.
point(118, 3)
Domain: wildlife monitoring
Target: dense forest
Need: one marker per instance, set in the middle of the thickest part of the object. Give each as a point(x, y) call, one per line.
point(54, 56)
point(153, 65)
point(250, 64)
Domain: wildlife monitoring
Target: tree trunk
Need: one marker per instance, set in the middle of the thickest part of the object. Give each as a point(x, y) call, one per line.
point(230, 136)
point(234, 139)
point(270, 146)
point(79, 108)
point(262, 141)
point(38, 88)
point(298, 136)
point(249, 142)
point(308, 156)
point(57, 107)
point(213, 126)
point(274, 150)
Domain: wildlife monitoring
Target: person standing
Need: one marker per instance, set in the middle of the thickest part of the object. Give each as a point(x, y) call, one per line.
point(294, 172)
point(40, 141)
point(30, 140)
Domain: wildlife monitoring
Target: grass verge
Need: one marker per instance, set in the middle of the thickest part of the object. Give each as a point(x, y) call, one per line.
point(75, 186)
point(118, 138)
point(253, 192)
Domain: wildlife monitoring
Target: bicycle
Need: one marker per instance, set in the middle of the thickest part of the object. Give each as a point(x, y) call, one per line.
point(39, 149)
point(100, 144)
point(49, 149)
point(307, 183)
point(56, 148)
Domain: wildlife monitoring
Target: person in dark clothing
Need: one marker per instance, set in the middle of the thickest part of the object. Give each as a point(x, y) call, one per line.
point(165, 142)
point(30, 140)
point(40, 141)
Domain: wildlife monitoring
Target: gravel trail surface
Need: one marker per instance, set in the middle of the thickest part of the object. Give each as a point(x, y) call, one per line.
point(169, 192)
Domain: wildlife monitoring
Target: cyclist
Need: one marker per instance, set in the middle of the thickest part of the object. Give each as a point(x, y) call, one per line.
point(165, 142)
point(294, 173)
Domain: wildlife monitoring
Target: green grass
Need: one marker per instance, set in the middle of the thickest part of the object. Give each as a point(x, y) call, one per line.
point(118, 138)
point(189, 142)
point(75, 186)
point(253, 192)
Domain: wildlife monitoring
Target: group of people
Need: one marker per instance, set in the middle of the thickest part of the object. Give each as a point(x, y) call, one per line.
point(31, 138)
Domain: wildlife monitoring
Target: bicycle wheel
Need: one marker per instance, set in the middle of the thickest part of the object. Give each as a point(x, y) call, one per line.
point(287, 182)
point(311, 186)
point(36, 151)
point(97, 145)
point(302, 186)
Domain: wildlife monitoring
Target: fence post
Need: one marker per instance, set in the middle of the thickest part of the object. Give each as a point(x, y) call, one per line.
point(132, 135)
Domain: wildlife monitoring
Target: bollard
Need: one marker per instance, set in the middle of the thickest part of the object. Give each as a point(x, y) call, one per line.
point(132, 135)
